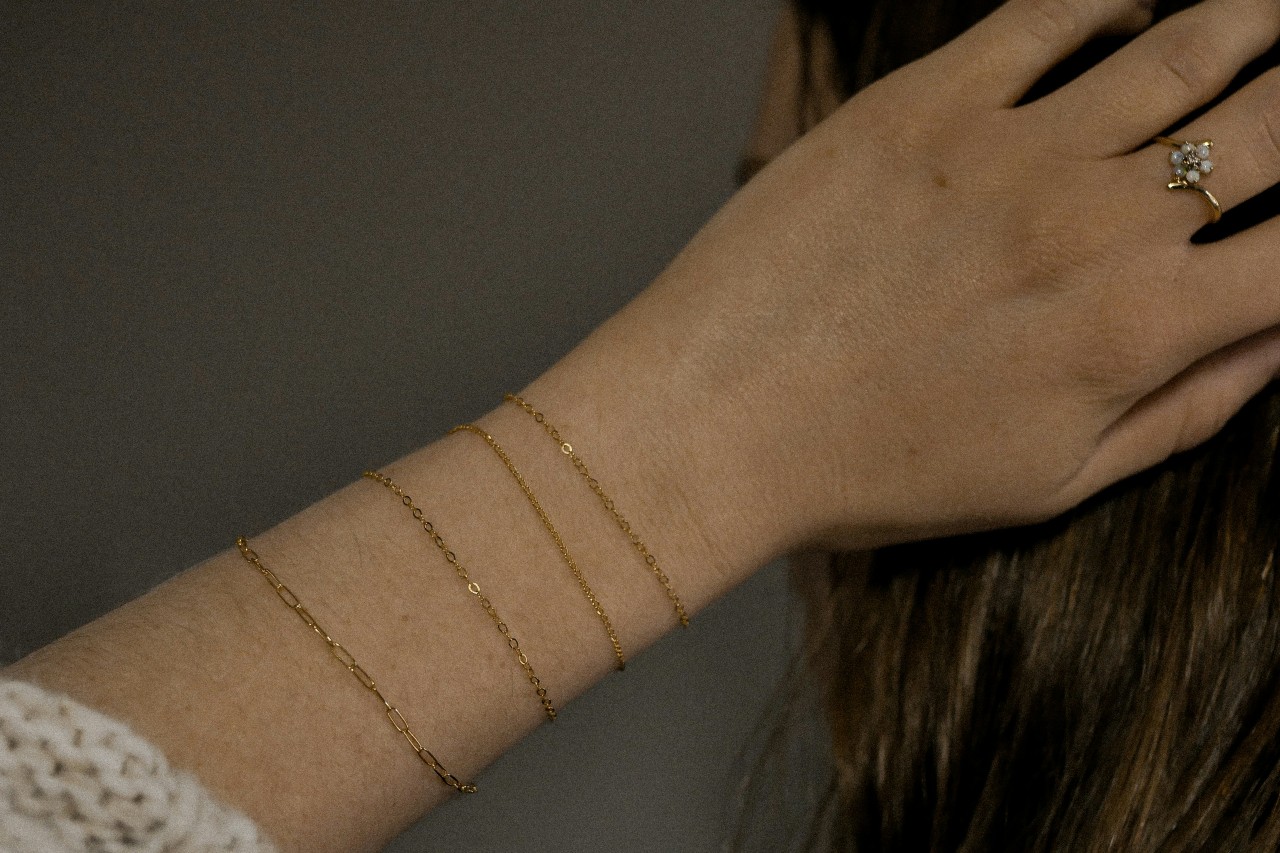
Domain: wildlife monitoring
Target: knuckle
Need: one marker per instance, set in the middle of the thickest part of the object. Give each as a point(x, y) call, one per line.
point(1221, 407)
point(1263, 19)
point(1126, 349)
point(1269, 142)
point(1118, 366)
point(1202, 418)
point(1051, 21)
point(1138, 330)
point(1190, 64)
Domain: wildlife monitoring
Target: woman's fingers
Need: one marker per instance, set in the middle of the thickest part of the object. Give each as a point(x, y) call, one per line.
point(1245, 131)
point(1182, 414)
point(1166, 73)
point(999, 59)
point(1210, 295)
point(1227, 290)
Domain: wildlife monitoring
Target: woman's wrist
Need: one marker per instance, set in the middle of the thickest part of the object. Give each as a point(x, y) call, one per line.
point(212, 668)
point(692, 464)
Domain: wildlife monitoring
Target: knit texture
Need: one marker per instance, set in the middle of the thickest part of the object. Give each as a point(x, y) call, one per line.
point(73, 779)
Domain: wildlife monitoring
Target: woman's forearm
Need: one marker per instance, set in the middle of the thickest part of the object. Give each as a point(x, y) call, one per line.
point(213, 668)
point(873, 341)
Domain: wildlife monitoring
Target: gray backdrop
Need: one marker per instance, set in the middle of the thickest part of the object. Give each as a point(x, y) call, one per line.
point(249, 249)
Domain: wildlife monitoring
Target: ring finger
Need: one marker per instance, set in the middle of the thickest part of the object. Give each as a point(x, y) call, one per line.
point(1245, 158)
point(1160, 77)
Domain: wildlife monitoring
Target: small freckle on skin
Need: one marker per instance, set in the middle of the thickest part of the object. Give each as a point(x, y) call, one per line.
point(940, 180)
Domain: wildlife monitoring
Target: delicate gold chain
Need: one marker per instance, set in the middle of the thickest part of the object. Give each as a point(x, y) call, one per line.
point(546, 522)
point(346, 659)
point(472, 587)
point(567, 449)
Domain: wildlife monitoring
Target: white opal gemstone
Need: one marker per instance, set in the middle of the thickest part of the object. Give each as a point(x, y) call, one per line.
point(1203, 151)
point(1193, 176)
point(1188, 148)
point(1179, 172)
point(1177, 157)
point(1206, 166)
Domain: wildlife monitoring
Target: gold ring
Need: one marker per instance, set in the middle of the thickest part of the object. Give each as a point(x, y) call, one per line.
point(1191, 164)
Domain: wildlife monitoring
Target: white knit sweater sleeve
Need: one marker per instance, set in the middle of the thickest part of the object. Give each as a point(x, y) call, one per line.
point(73, 779)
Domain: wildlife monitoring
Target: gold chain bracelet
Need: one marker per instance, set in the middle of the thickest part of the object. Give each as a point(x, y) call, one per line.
point(567, 449)
point(546, 522)
point(472, 587)
point(345, 658)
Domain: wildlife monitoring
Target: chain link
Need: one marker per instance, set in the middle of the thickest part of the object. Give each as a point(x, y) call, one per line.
point(567, 449)
point(348, 660)
point(472, 587)
point(546, 522)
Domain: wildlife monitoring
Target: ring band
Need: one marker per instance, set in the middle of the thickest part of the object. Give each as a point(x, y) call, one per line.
point(1191, 164)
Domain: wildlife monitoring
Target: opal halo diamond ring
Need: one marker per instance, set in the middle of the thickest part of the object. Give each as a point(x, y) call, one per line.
point(1192, 162)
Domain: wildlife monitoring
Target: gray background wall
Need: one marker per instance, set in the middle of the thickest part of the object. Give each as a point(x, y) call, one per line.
point(249, 249)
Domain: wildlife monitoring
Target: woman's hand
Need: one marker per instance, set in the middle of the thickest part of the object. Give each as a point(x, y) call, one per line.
point(940, 312)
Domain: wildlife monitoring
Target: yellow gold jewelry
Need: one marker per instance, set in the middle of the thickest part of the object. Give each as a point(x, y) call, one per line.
point(346, 659)
point(472, 587)
point(567, 449)
point(546, 522)
point(1191, 164)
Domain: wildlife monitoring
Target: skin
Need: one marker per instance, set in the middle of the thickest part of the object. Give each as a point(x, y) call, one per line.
point(882, 337)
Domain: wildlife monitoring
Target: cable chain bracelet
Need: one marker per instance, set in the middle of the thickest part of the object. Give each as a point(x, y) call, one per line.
point(472, 587)
point(546, 522)
point(567, 449)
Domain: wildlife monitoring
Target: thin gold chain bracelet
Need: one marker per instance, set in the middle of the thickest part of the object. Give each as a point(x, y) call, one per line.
point(472, 587)
point(546, 522)
point(345, 658)
point(567, 449)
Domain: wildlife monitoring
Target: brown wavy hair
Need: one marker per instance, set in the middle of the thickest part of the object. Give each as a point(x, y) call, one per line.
point(1104, 681)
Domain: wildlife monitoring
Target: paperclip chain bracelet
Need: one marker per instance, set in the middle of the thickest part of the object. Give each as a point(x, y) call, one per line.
point(472, 587)
point(567, 449)
point(345, 658)
point(546, 522)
